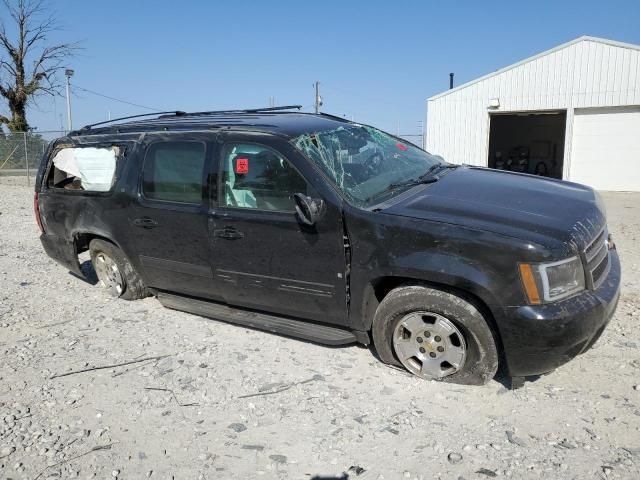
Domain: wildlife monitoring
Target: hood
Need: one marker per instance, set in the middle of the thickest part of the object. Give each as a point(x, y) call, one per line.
point(537, 209)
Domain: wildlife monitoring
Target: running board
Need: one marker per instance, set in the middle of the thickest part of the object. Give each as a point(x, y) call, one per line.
point(260, 321)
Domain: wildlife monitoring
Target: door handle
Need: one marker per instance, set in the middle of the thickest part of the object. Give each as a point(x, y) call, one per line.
point(145, 222)
point(214, 214)
point(228, 233)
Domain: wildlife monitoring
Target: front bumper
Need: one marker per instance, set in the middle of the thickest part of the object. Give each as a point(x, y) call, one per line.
point(539, 338)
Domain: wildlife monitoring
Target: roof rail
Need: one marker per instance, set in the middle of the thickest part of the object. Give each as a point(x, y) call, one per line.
point(179, 113)
point(335, 117)
point(173, 112)
point(248, 110)
point(275, 109)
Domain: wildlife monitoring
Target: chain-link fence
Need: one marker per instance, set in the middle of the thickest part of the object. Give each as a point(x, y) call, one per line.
point(20, 152)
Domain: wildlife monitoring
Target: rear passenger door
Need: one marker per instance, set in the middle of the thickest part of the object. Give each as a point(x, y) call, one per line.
point(263, 257)
point(169, 222)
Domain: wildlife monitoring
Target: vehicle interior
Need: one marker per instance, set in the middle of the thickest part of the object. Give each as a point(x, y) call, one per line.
point(255, 176)
point(84, 168)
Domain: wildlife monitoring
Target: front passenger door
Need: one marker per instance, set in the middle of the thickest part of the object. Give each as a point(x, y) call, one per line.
point(262, 256)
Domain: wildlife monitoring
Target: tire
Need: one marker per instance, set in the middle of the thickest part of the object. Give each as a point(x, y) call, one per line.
point(115, 272)
point(397, 328)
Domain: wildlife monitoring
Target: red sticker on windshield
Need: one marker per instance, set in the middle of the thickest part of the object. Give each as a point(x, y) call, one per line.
point(242, 166)
point(401, 146)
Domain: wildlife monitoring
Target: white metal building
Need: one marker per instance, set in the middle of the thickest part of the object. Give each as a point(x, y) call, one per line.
point(572, 112)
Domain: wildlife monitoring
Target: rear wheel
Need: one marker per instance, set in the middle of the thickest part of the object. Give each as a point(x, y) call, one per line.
point(436, 335)
point(115, 273)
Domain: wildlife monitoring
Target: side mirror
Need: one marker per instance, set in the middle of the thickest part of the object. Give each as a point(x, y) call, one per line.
point(309, 210)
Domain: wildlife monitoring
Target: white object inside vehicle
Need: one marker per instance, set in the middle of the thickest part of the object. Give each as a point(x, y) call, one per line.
point(95, 167)
point(236, 197)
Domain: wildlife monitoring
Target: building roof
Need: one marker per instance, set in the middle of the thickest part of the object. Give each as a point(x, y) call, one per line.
point(286, 123)
point(584, 38)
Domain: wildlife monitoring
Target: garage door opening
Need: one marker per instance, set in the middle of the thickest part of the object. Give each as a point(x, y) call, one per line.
point(528, 142)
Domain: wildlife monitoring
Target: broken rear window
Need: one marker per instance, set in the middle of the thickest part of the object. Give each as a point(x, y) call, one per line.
point(84, 168)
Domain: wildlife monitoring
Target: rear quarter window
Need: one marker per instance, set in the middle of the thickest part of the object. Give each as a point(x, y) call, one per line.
point(90, 169)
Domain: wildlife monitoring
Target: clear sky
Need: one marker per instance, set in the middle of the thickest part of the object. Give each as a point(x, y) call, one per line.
point(377, 61)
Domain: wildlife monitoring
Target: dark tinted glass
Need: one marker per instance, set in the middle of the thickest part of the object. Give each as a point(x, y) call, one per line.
point(173, 172)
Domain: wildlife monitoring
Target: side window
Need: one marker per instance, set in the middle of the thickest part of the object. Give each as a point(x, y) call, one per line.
point(255, 176)
point(173, 172)
point(84, 168)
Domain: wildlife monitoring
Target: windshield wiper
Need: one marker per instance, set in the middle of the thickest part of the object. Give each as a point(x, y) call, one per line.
point(430, 176)
point(431, 173)
point(408, 183)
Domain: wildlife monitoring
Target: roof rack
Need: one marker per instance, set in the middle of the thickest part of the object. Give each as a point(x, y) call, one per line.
point(173, 112)
point(248, 110)
point(179, 113)
point(274, 109)
point(334, 117)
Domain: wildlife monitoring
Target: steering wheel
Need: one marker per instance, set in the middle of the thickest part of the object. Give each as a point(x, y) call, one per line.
point(348, 180)
point(374, 161)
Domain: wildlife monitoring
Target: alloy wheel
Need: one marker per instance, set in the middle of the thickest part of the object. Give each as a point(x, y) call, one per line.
point(109, 274)
point(429, 345)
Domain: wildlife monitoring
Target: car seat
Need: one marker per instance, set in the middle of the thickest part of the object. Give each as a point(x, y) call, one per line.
point(235, 194)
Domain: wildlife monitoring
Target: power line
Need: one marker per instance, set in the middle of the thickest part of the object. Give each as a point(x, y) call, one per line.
point(117, 99)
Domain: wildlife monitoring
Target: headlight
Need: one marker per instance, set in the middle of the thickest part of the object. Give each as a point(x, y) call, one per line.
point(550, 282)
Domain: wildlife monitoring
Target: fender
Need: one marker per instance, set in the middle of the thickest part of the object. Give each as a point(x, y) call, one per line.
point(436, 269)
point(390, 250)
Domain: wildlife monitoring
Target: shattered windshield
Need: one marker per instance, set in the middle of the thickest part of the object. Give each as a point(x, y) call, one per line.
point(367, 164)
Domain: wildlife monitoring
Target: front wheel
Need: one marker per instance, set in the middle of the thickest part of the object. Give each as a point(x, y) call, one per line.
point(436, 335)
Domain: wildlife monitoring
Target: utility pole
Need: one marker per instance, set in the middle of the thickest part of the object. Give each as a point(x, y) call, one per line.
point(318, 100)
point(26, 156)
point(69, 73)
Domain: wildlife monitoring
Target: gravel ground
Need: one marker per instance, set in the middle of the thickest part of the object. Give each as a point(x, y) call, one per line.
point(320, 412)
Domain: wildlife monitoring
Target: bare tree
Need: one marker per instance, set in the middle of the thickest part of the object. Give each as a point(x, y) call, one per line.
point(28, 63)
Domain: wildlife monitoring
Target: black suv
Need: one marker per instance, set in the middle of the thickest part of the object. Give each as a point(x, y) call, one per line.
point(332, 231)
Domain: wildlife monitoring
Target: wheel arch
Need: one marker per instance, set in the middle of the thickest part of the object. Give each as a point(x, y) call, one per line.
point(380, 287)
point(134, 282)
point(83, 239)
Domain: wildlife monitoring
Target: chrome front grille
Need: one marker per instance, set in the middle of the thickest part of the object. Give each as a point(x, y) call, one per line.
point(596, 258)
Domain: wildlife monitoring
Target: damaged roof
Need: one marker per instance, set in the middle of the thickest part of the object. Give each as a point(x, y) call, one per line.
point(286, 123)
